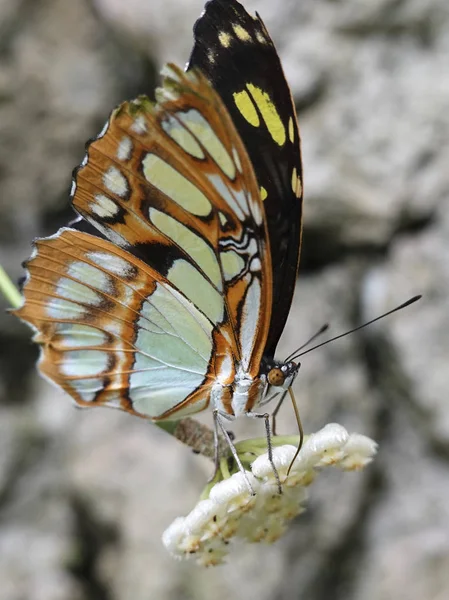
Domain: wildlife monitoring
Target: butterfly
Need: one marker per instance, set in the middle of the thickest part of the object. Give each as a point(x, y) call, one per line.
point(176, 300)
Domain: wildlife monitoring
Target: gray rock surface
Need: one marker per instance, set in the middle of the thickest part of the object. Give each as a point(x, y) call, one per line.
point(86, 495)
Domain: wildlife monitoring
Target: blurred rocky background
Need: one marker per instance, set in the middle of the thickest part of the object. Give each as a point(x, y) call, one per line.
point(85, 495)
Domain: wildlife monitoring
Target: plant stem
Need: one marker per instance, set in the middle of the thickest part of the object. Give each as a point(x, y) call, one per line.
point(9, 290)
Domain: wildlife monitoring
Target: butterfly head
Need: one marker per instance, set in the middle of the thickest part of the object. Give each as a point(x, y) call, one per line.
point(282, 374)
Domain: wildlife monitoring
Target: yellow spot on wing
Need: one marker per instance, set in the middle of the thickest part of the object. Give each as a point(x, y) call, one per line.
point(296, 183)
point(174, 185)
point(294, 179)
point(291, 130)
point(224, 39)
point(241, 33)
point(246, 107)
point(263, 192)
point(269, 113)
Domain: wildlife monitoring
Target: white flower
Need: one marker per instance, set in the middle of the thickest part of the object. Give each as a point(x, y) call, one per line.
point(282, 458)
point(233, 512)
point(234, 492)
point(172, 537)
point(359, 451)
point(324, 447)
point(202, 517)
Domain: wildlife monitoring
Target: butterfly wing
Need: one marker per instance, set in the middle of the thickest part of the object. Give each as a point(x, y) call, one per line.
point(235, 52)
point(172, 185)
point(100, 315)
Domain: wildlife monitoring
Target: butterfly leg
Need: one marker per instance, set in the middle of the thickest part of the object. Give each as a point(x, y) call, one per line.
point(218, 425)
point(216, 450)
point(266, 418)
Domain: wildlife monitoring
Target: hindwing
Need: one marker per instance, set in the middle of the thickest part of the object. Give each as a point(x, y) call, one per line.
point(101, 315)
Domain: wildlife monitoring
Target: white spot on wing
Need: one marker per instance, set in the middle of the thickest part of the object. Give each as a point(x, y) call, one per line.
point(256, 210)
point(255, 266)
point(87, 388)
point(114, 264)
point(78, 292)
point(250, 318)
point(109, 233)
point(139, 126)
point(115, 181)
point(104, 207)
point(236, 158)
point(91, 276)
point(74, 335)
point(84, 362)
point(124, 148)
point(225, 193)
point(226, 369)
point(58, 308)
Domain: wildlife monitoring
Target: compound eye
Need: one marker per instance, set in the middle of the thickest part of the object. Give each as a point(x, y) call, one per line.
point(276, 377)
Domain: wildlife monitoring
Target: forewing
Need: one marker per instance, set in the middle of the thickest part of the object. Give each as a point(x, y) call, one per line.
point(171, 182)
point(235, 52)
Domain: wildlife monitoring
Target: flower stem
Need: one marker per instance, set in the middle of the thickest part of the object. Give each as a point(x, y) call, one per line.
point(9, 290)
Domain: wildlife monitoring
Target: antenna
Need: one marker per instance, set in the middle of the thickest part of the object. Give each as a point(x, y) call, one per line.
point(321, 330)
point(337, 337)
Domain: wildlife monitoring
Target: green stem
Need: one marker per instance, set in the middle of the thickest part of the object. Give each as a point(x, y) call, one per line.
point(259, 445)
point(9, 290)
point(224, 468)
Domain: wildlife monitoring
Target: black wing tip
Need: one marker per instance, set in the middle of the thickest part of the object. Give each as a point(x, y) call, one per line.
point(221, 12)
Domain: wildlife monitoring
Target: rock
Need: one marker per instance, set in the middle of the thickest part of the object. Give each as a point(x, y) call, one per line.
point(85, 495)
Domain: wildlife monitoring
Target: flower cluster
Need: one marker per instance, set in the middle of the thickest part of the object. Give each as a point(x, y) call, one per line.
point(233, 512)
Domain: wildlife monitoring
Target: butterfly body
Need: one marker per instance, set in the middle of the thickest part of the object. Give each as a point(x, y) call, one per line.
point(178, 303)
